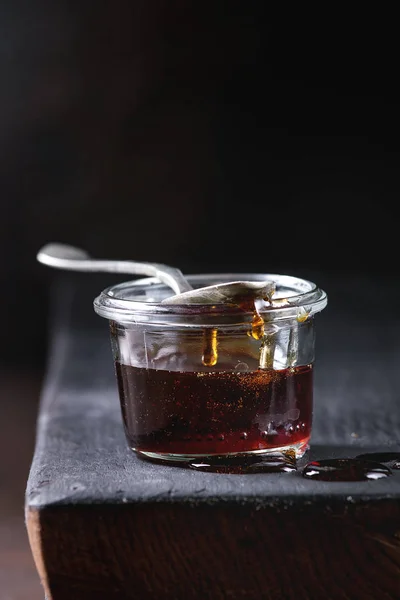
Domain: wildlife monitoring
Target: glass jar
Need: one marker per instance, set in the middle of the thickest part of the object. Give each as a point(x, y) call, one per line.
point(203, 380)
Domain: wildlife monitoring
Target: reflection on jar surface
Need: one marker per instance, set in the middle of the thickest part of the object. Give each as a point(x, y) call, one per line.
point(254, 395)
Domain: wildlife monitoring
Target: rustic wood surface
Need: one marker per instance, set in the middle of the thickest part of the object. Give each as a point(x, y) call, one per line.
point(105, 524)
point(19, 394)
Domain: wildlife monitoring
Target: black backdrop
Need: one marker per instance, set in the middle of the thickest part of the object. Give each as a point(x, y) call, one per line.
point(204, 135)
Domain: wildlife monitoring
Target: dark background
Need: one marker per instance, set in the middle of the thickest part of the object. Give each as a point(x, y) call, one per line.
point(211, 136)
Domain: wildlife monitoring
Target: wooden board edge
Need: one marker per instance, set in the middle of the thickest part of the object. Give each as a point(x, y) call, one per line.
point(361, 540)
point(33, 527)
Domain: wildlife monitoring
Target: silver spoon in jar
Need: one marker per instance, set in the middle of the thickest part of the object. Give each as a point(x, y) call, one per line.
point(63, 256)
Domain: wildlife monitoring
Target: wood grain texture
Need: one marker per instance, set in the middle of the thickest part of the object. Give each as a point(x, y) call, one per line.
point(220, 552)
point(19, 395)
point(105, 524)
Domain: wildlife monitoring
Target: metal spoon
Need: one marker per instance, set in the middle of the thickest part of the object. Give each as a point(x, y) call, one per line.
point(63, 256)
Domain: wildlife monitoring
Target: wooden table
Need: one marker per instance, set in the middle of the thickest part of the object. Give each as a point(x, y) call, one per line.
point(19, 393)
point(104, 524)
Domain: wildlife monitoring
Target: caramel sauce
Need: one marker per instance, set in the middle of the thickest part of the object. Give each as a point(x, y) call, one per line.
point(216, 412)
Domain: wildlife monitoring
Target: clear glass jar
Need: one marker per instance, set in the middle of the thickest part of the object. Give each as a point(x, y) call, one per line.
point(204, 380)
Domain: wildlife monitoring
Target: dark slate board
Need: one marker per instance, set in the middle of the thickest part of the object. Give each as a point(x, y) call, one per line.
point(105, 525)
point(81, 455)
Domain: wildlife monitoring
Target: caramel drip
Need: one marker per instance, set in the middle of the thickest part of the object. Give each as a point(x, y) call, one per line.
point(257, 326)
point(210, 348)
point(257, 322)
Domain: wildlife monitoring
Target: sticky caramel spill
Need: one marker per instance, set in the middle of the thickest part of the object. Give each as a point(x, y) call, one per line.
point(345, 469)
point(278, 462)
point(210, 348)
point(390, 459)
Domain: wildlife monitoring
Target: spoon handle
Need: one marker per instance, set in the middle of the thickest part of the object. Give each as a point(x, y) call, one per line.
point(169, 275)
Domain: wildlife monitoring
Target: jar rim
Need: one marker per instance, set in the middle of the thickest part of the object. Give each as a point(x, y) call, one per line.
point(295, 298)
